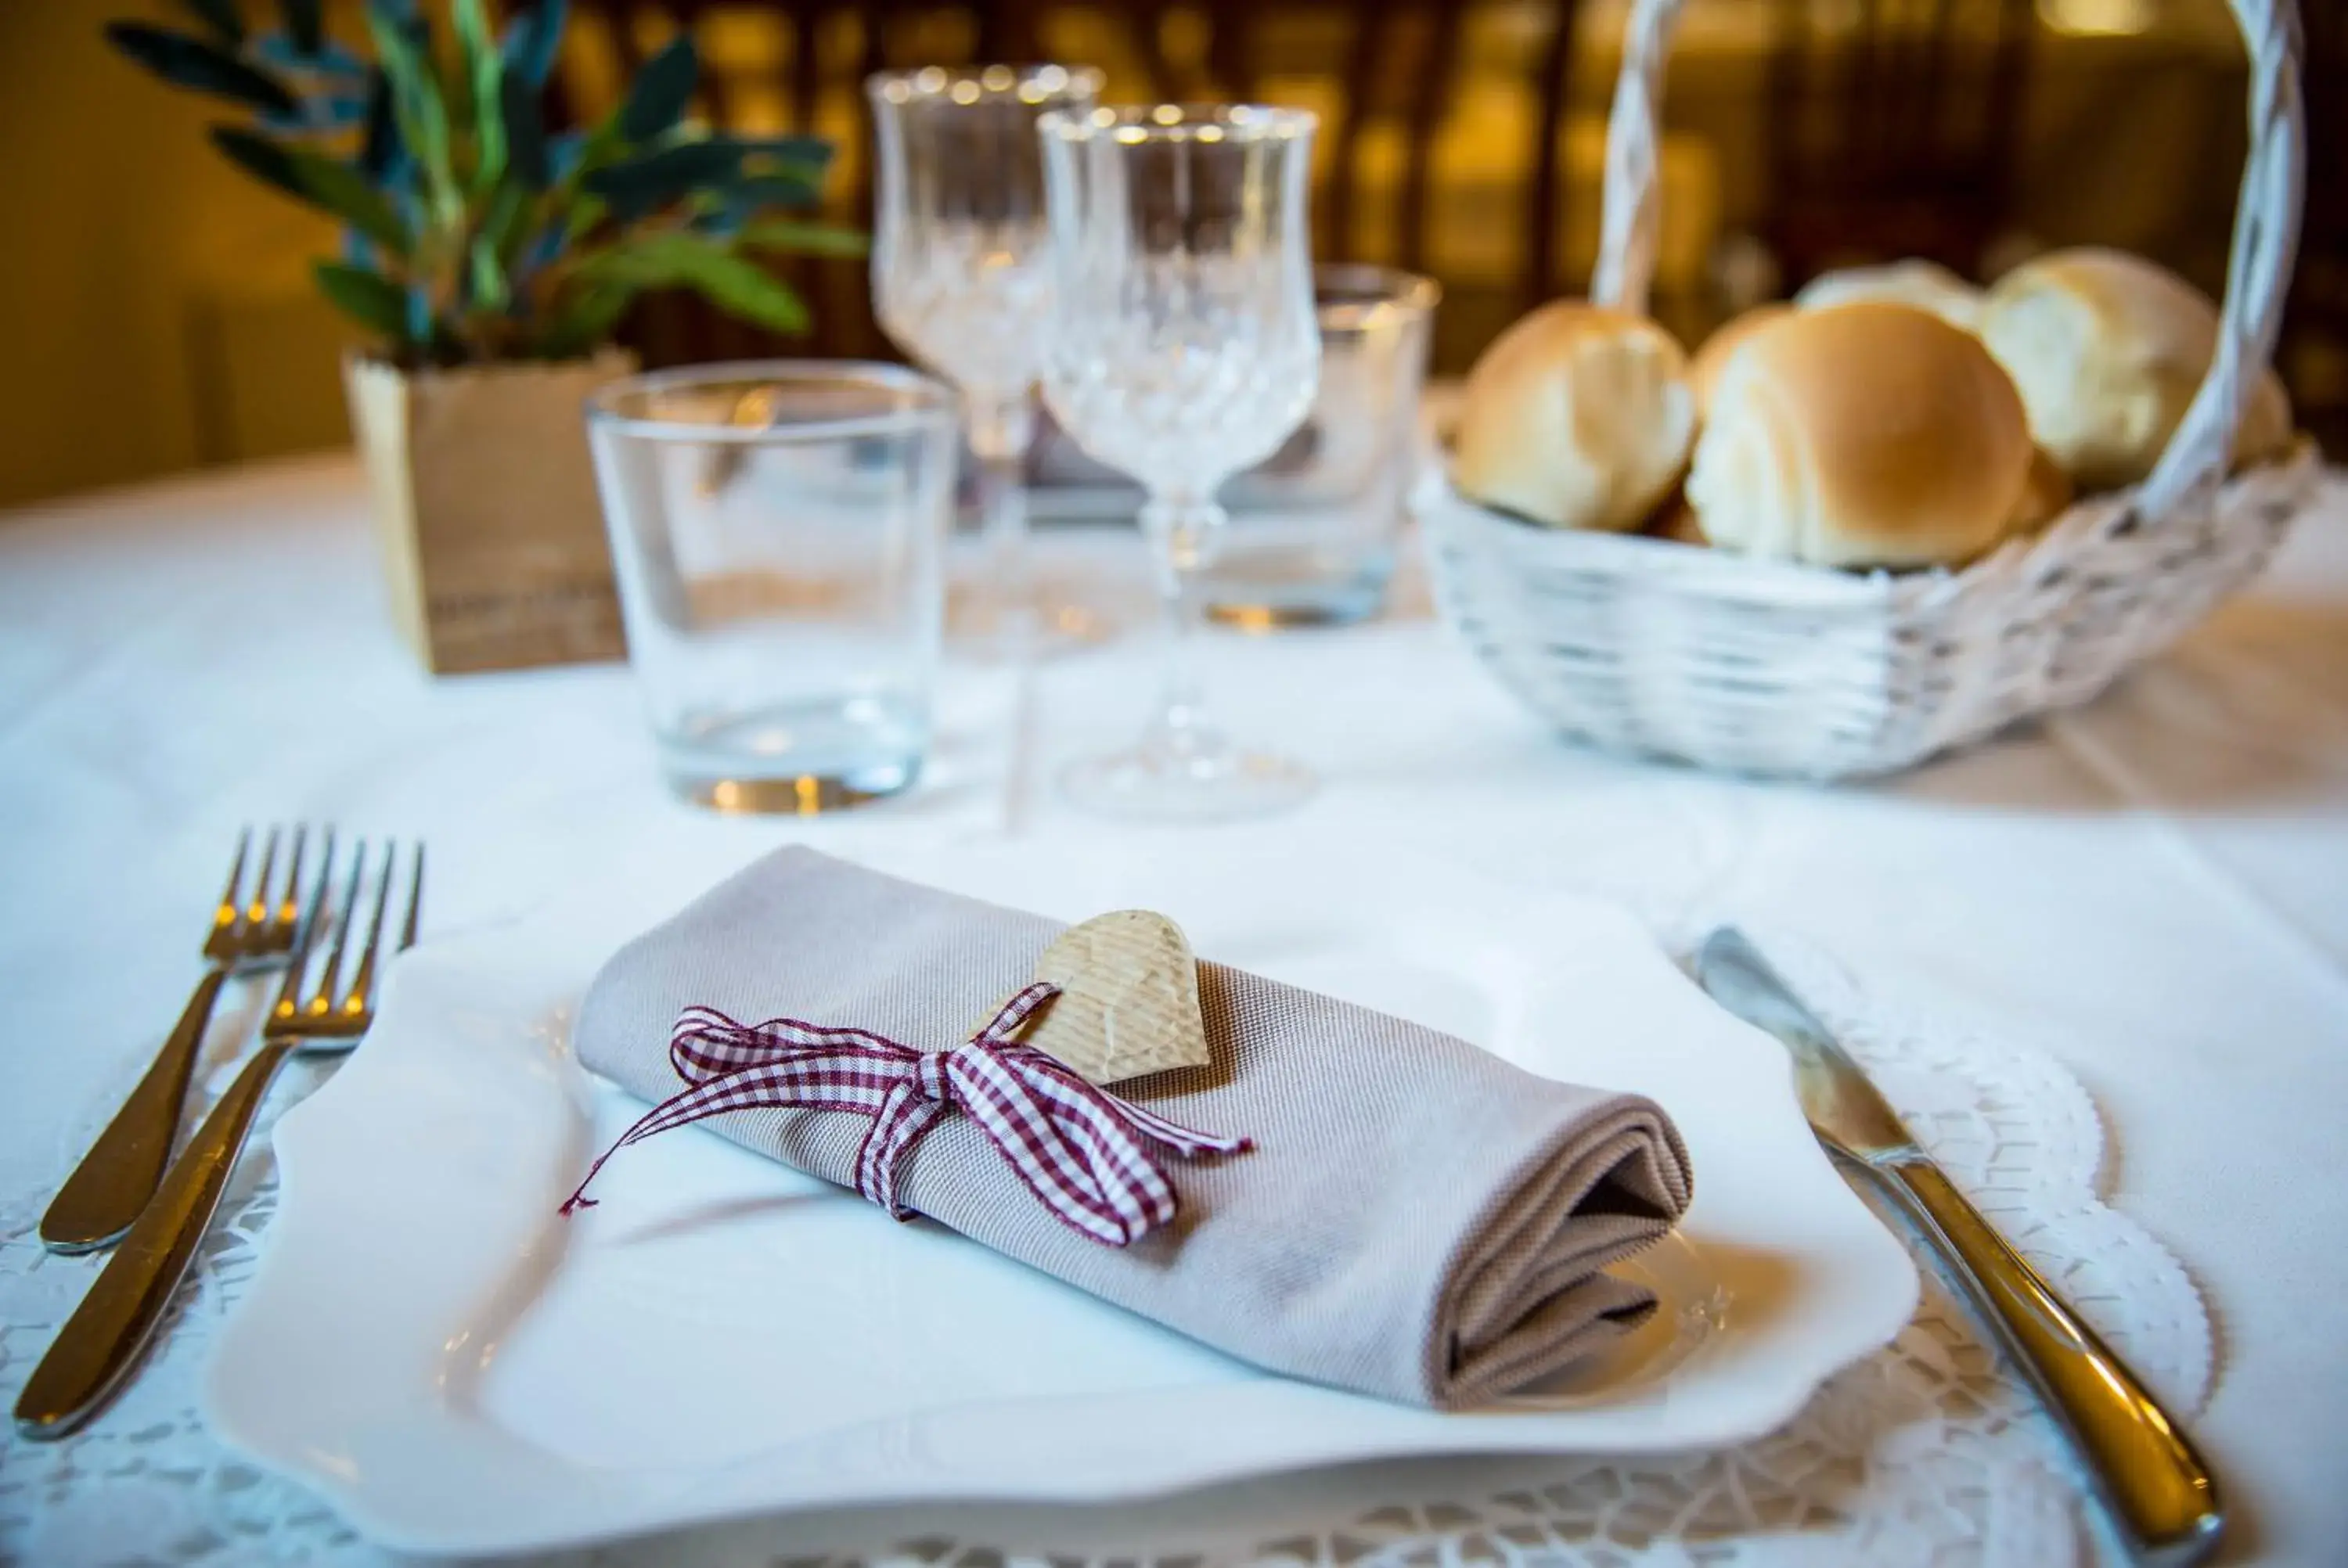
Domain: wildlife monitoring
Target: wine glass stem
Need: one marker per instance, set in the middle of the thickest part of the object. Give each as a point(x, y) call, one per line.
point(1000, 431)
point(1182, 532)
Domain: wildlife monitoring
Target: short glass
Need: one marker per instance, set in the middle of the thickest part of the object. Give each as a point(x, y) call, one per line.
point(1314, 530)
point(779, 533)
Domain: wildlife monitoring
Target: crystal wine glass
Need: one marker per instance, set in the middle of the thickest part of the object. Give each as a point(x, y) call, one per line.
point(960, 280)
point(1183, 348)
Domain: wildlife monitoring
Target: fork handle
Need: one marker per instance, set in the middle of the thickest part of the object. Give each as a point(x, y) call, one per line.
point(115, 1179)
point(2159, 1492)
point(102, 1340)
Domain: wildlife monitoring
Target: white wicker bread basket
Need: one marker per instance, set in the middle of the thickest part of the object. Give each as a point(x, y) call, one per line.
point(1648, 646)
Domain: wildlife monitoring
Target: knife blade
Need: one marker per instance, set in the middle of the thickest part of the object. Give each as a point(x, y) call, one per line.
point(1846, 1110)
point(2159, 1495)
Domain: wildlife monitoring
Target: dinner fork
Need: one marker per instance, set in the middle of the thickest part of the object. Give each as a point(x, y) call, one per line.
point(115, 1179)
point(104, 1338)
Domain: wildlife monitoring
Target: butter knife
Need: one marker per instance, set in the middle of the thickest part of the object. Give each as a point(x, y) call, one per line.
point(2161, 1497)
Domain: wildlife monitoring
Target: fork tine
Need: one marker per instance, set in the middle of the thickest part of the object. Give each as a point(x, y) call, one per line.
point(224, 920)
point(289, 994)
point(256, 912)
point(415, 900)
point(321, 1001)
point(360, 998)
point(289, 907)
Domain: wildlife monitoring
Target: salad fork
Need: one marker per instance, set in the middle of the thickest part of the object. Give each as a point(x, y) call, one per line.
point(104, 1338)
point(250, 933)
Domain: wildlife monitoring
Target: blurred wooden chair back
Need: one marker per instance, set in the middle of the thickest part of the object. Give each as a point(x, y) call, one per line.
point(1893, 127)
point(1387, 78)
point(1385, 75)
point(1364, 66)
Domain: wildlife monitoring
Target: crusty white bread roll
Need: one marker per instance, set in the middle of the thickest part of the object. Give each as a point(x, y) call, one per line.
point(1861, 434)
point(1712, 357)
point(2107, 349)
point(1678, 523)
point(2044, 494)
point(1577, 417)
point(1927, 285)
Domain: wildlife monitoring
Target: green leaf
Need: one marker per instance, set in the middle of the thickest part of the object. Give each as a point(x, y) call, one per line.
point(525, 126)
point(675, 259)
point(662, 89)
point(190, 62)
point(586, 319)
point(367, 298)
point(325, 183)
point(506, 225)
point(484, 69)
point(380, 152)
point(644, 184)
point(270, 162)
point(533, 39)
point(416, 104)
point(753, 193)
point(809, 155)
point(220, 15)
point(804, 239)
point(303, 25)
point(344, 191)
point(488, 275)
point(585, 213)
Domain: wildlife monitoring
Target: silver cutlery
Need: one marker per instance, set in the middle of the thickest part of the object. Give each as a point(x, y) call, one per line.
point(106, 1333)
point(250, 933)
point(2161, 1497)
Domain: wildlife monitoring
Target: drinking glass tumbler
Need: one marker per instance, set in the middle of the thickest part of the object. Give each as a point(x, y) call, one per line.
point(778, 532)
point(1314, 531)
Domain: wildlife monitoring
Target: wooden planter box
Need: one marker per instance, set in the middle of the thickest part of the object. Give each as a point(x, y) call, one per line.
point(485, 507)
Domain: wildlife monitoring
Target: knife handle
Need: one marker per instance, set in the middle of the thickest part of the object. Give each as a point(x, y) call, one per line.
point(2159, 1492)
point(104, 1338)
point(122, 1169)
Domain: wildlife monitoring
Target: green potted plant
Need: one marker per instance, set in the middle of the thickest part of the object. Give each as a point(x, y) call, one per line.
point(489, 262)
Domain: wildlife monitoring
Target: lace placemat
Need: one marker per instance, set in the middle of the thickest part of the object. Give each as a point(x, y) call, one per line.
point(1929, 1453)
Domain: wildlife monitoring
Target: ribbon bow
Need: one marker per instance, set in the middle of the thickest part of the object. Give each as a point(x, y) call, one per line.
point(1080, 1149)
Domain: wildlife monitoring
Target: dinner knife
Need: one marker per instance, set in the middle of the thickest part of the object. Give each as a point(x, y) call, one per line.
point(2161, 1497)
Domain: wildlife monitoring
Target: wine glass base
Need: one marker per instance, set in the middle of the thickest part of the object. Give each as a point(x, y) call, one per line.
point(1164, 783)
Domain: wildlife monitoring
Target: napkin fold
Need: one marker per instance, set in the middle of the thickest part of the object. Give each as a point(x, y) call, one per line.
point(1417, 1220)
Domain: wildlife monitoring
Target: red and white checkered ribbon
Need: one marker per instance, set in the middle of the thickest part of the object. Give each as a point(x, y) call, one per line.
point(1082, 1150)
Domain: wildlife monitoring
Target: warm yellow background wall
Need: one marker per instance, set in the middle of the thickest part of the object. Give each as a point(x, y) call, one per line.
point(155, 311)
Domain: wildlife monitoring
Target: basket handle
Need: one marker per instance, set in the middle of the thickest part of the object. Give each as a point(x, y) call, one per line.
point(2257, 274)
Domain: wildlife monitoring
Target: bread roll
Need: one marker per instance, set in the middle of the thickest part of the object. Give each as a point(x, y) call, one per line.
point(1577, 417)
point(1704, 369)
point(2044, 494)
point(1862, 434)
point(1679, 524)
point(1926, 285)
point(2107, 349)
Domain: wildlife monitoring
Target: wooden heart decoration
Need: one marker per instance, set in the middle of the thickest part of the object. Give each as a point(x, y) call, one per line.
point(1129, 1001)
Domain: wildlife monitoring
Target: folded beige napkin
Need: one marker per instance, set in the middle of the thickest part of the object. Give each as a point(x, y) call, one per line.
point(1417, 1219)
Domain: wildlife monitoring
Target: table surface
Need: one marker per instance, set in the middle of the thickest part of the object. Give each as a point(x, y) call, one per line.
point(2158, 882)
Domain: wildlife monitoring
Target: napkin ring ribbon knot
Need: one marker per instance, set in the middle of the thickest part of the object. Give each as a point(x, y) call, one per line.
point(1085, 1152)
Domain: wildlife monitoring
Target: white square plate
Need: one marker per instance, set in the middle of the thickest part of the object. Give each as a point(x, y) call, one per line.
point(459, 1369)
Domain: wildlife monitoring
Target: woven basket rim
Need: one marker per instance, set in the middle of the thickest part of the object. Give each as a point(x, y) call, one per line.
point(1727, 575)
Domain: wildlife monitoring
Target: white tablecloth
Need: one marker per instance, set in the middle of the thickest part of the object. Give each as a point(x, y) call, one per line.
point(2158, 884)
